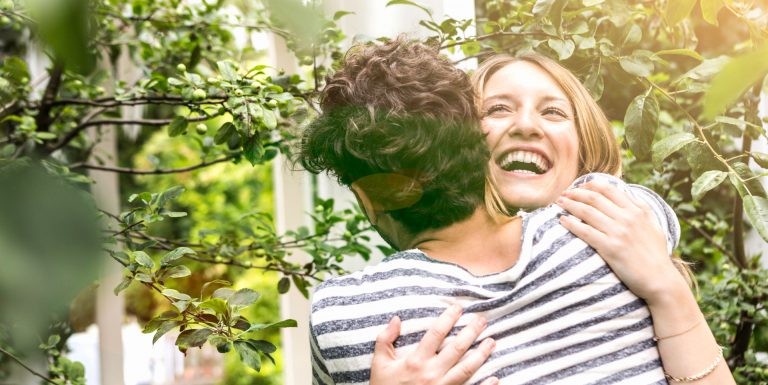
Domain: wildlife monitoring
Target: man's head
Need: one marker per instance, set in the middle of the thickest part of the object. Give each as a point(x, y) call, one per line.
point(399, 127)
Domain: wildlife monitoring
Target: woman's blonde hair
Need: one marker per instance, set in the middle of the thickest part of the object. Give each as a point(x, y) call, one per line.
point(598, 147)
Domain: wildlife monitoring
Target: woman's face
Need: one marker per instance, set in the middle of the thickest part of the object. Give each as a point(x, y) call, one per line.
point(531, 131)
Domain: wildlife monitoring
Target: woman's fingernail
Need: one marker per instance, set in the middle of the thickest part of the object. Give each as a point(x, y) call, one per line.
point(481, 321)
point(455, 308)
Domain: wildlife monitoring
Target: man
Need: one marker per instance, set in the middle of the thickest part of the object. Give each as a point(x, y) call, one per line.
point(399, 128)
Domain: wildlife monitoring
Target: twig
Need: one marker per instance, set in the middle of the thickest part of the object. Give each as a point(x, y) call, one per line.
point(497, 34)
point(709, 238)
point(134, 171)
point(18, 361)
point(143, 122)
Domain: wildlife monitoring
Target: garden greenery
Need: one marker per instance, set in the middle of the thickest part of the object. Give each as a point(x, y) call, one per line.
point(681, 79)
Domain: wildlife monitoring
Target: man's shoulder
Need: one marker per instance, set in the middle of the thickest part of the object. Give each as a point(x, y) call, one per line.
point(370, 277)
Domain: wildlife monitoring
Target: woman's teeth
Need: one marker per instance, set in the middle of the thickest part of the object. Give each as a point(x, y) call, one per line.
point(525, 162)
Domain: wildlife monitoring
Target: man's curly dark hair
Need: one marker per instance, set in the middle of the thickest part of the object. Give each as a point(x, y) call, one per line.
point(399, 121)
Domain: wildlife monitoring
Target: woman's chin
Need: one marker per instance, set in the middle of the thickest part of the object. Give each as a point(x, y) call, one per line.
point(528, 190)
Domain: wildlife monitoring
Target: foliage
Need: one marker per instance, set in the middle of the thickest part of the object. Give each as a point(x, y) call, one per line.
point(192, 81)
point(680, 80)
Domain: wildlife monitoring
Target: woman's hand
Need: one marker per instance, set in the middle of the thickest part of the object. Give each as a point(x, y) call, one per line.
point(625, 232)
point(427, 366)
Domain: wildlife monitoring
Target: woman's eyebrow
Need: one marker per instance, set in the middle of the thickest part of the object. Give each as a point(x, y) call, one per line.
point(495, 98)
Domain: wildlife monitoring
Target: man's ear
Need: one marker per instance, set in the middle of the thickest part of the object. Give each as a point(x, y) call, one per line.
point(365, 203)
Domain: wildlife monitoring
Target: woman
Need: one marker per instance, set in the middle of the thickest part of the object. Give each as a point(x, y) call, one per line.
point(544, 130)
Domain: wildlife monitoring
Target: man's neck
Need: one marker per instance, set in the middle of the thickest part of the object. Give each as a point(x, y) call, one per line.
point(479, 243)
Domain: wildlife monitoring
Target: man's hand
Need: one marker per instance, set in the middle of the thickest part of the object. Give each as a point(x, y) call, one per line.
point(427, 366)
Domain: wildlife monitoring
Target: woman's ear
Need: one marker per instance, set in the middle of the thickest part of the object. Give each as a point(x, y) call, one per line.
point(365, 203)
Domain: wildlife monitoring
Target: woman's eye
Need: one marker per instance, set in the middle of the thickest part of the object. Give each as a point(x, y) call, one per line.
point(495, 109)
point(556, 111)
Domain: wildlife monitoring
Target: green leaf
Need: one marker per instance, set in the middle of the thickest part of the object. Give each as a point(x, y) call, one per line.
point(16, 68)
point(142, 277)
point(175, 254)
point(680, 52)
point(263, 346)
point(289, 323)
point(143, 259)
point(223, 293)
point(471, 48)
point(752, 186)
point(248, 355)
point(411, 3)
point(177, 126)
point(564, 48)
point(707, 181)
point(253, 150)
point(176, 295)
point(228, 70)
point(634, 35)
point(736, 76)
point(218, 305)
point(760, 158)
point(123, 285)
point(638, 65)
point(707, 69)
point(243, 297)
point(176, 272)
point(677, 10)
point(220, 282)
point(740, 123)
point(165, 328)
point(669, 145)
point(542, 7)
point(301, 285)
point(710, 9)
point(8, 150)
point(283, 285)
point(594, 82)
point(756, 208)
point(270, 119)
point(640, 124)
point(339, 14)
point(193, 338)
point(224, 133)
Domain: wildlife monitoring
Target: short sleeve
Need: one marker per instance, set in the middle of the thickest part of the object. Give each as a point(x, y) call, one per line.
point(665, 217)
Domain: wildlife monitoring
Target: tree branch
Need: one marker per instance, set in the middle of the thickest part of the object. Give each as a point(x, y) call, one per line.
point(20, 362)
point(134, 171)
point(43, 118)
point(114, 102)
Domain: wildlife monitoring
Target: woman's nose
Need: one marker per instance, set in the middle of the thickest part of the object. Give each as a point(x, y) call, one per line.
point(525, 124)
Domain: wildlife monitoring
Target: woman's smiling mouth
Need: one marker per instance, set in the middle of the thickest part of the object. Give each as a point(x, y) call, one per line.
point(523, 162)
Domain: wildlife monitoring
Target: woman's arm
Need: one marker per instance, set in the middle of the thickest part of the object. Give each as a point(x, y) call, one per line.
point(426, 365)
point(626, 233)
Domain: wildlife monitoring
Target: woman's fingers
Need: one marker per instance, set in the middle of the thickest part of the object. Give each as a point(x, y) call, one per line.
point(462, 371)
point(586, 212)
point(490, 381)
point(452, 353)
point(584, 231)
point(436, 334)
point(384, 347)
point(618, 197)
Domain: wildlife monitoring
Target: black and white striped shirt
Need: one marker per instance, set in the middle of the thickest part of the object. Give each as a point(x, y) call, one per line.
point(559, 315)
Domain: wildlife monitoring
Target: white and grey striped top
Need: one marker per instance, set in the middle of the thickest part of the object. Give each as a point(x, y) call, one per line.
point(559, 315)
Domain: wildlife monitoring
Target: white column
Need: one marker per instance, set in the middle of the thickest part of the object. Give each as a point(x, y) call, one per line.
point(293, 199)
point(109, 307)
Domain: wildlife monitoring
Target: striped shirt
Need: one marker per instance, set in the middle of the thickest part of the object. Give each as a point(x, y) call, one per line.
point(559, 315)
